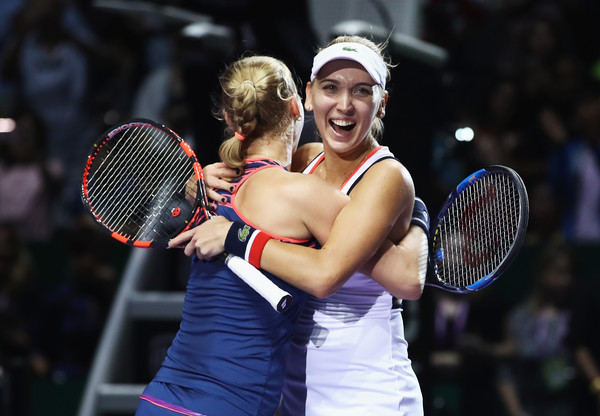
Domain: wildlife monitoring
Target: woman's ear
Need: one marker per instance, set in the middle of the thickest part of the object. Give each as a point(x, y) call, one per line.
point(298, 117)
point(227, 119)
point(308, 100)
point(381, 112)
point(296, 109)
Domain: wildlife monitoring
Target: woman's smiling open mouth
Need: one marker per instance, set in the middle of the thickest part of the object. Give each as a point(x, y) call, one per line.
point(343, 125)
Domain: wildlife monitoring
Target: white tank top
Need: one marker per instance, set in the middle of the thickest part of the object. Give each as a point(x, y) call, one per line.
point(348, 355)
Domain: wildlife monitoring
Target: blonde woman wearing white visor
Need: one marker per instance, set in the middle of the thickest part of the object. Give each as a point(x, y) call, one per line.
point(349, 355)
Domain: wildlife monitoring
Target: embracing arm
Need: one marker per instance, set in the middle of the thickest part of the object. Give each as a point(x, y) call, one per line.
point(383, 199)
point(401, 268)
point(382, 204)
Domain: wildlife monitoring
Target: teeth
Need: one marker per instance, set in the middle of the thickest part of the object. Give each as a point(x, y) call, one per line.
point(342, 123)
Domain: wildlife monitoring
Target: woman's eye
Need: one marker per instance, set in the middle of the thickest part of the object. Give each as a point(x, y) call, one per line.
point(362, 92)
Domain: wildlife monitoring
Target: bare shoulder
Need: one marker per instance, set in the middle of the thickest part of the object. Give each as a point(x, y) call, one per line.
point(302, 182)
point(305, 154)
point(388, 173)
point(386, 183)
point(293, 187)
point(387, 192)
point(309, 193)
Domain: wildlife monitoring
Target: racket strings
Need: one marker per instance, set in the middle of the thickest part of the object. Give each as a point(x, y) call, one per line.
point(164, 185)
point(118, 181)
point(136, 190)
point(478, 231)
point(98, 179)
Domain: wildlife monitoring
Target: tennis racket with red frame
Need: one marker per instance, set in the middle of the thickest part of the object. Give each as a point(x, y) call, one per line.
point(144, 185)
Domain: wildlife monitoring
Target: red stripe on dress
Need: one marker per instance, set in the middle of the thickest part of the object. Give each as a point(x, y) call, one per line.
point(169, 406)
point(317, 162)
point(371, 153)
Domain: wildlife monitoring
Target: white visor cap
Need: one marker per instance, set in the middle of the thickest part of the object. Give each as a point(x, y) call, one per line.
point(357, 52)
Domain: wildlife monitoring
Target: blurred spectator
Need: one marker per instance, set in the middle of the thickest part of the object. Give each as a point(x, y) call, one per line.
point(537, 373)
point(499, 126)
point(575, 173)
point(544, 40)
point(544, 215)
point(27, 180)
point(7, 9)
point(47, 59)
point(454, 352)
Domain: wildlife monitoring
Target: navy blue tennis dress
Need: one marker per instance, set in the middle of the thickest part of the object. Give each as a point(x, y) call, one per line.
point(228, 357)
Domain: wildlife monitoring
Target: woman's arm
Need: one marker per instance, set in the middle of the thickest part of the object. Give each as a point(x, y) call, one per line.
point(400, 263)
point(384, 198)
point(401, 268)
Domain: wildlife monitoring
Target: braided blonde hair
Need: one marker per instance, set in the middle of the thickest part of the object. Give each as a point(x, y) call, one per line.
point(255, 100)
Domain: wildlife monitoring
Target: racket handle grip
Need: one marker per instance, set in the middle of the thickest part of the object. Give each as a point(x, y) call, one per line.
point(279, 299)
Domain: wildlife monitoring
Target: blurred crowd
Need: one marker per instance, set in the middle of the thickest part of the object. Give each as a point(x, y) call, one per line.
point(523, 75)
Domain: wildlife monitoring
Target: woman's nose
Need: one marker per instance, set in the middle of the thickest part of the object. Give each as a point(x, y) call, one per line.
point(345, 102)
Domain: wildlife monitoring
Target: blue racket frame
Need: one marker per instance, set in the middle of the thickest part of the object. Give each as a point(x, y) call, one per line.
point(437, 254)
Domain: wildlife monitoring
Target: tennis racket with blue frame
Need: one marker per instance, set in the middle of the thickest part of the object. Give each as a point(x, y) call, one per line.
point(478, 231)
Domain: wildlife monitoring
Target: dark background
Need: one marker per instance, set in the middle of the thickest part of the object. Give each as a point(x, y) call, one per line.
point(522, 74)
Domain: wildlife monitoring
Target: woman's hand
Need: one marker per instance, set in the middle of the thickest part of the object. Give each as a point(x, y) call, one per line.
point(218, 176)
point(205, 241)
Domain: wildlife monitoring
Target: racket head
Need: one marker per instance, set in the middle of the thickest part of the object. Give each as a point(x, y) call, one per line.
point(479, 230)
point(143, 184)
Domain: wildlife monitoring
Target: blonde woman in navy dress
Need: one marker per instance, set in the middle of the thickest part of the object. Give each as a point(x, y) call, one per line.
point(228, 357)
point(348, 355)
